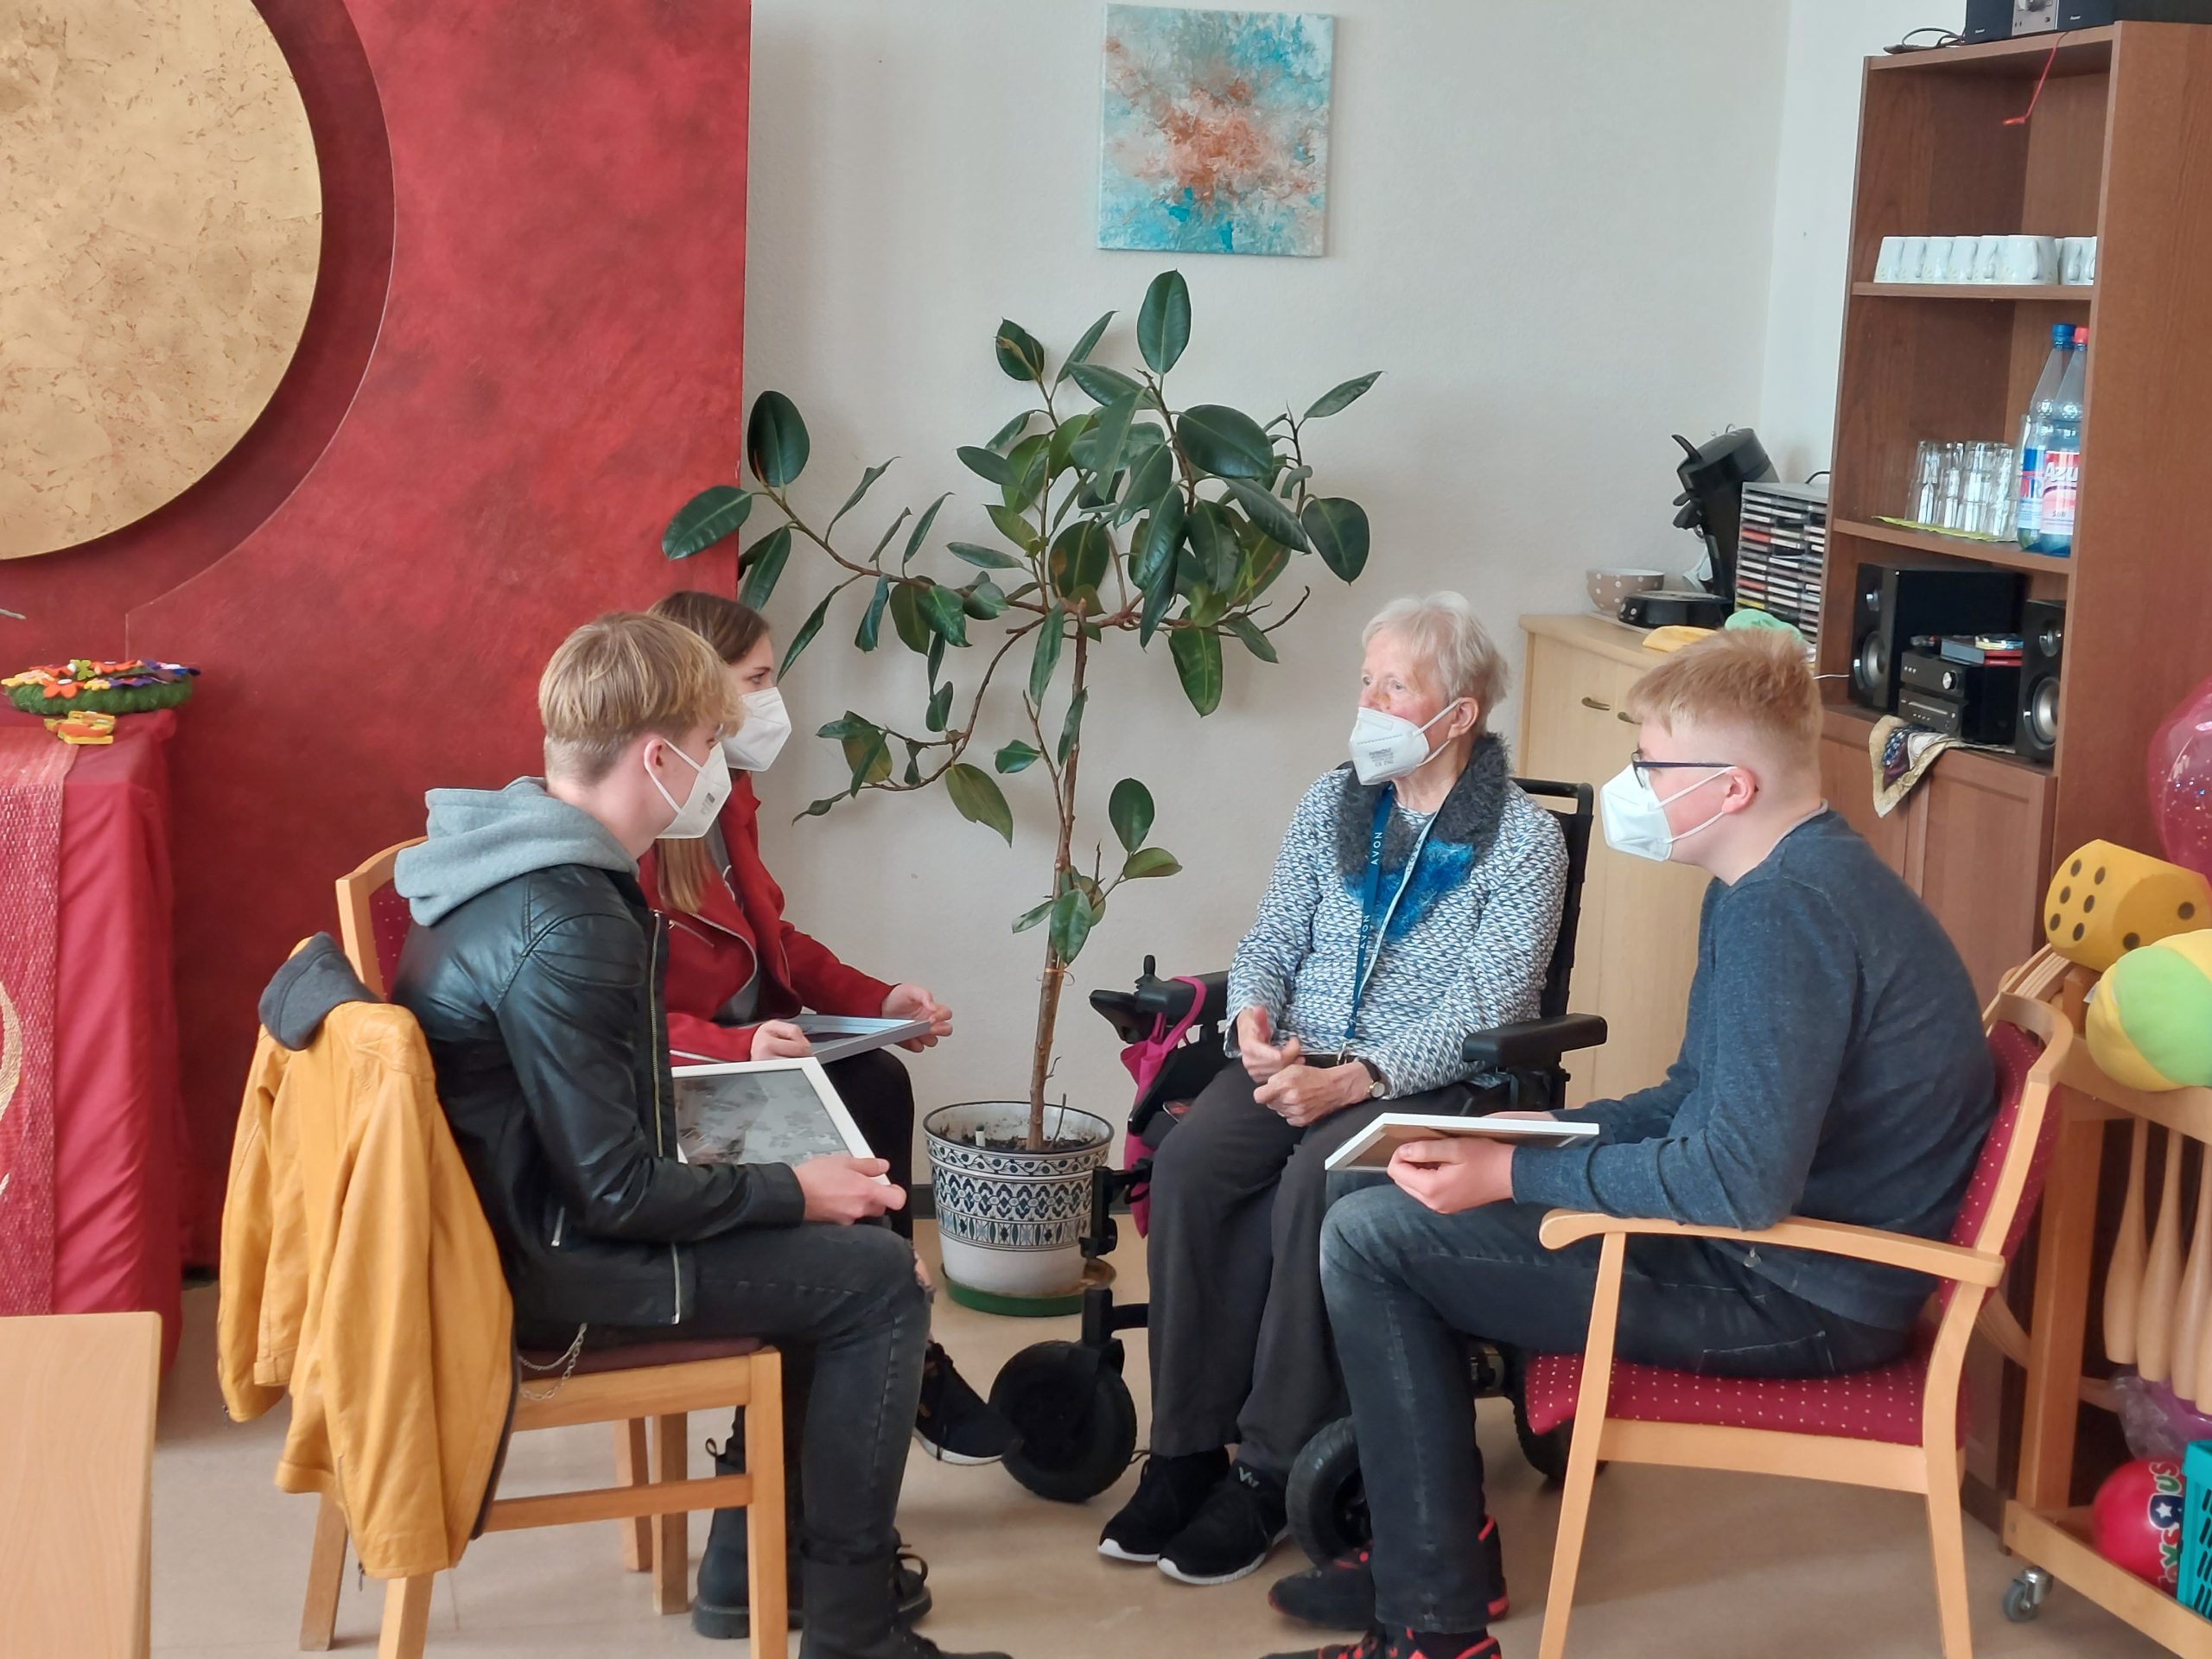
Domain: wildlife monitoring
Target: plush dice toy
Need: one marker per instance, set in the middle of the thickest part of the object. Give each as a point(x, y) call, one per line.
point(2107, 900)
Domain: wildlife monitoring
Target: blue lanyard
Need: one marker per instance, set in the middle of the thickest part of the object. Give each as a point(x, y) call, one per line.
point(1371, 926)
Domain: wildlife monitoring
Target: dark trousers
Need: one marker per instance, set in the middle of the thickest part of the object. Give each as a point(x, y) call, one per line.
point(1238, 1335)
point(879, 1094)
point(1406, 1286)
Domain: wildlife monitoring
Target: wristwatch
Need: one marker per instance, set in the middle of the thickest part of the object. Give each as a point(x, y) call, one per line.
point(1378, 1086)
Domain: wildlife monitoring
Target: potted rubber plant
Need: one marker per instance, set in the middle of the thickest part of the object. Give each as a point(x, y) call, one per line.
point(1114, 516)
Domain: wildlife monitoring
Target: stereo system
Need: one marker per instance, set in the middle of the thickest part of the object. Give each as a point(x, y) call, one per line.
point(1975, 703)
point(1999, 20)
point(1898, 604)
point(2043, 636)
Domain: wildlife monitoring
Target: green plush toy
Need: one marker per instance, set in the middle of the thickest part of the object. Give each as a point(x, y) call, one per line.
point(2150, 1024)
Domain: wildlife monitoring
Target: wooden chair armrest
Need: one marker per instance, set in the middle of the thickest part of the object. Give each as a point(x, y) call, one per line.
point(1564, 1227)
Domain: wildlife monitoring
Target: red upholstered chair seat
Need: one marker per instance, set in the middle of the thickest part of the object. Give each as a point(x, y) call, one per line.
point(638, 1356)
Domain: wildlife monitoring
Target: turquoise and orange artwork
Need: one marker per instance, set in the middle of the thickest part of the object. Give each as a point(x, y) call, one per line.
point(1214, 135)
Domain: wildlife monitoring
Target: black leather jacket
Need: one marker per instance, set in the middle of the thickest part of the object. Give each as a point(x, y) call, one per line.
point(541, 1001)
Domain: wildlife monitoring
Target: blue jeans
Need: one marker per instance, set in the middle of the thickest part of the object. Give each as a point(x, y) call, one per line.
point(1407, 1287)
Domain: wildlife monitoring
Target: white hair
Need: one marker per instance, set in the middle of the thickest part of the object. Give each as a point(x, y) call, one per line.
point(1451, 643)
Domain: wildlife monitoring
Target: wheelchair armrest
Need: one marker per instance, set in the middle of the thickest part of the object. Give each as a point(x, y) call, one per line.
point(1529, 1044)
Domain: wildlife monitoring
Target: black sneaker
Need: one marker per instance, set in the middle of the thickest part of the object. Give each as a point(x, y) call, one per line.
point(1168, 1496)
point(1341, 1596)
point(953, 1423)
point(1241, 1521)
point(1379, 1643)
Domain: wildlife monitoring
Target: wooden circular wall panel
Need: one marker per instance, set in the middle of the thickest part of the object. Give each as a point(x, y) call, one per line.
point(161, 221)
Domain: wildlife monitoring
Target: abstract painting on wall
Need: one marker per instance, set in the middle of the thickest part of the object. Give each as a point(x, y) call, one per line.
point(1214, 136)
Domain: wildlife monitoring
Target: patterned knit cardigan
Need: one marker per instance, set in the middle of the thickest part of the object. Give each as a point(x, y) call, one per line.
point(1467, 948)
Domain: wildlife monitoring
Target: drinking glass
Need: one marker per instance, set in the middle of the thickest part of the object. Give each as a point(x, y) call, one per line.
point(1927, 484)
point(1951, 507)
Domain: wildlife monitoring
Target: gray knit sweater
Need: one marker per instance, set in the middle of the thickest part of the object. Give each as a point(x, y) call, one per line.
point(1467, 948)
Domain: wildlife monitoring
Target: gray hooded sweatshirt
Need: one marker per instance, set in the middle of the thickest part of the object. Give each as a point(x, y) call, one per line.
point(481, 837)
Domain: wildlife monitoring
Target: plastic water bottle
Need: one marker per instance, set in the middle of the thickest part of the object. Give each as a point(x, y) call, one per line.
point(2061, 455)
point(2043, 402)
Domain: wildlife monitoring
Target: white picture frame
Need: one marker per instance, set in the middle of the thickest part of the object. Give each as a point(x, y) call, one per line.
point(761, 1112)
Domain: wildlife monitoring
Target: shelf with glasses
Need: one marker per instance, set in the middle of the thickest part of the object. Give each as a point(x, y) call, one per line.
point(2048, 293)
point(1957, 547)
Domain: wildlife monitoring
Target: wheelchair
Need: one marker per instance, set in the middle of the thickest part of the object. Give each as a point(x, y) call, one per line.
point(1074, 1419)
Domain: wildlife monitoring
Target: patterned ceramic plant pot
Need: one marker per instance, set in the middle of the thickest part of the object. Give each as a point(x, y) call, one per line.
point(1011, 1222)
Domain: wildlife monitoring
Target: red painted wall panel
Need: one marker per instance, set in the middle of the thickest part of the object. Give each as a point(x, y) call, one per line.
point(556, 363)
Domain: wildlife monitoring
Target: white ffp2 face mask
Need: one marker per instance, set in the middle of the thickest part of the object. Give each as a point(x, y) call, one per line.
point(695, 816)
point(760, 736)
point(1636, 818)
point(1385, 747)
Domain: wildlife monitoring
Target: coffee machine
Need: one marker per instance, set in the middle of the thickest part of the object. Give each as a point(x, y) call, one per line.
point(1711, 505)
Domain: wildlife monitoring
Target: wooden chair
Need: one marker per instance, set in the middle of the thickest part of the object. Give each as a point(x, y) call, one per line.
point(1897, 1427)
point(77, 1397)
point(628, 1388)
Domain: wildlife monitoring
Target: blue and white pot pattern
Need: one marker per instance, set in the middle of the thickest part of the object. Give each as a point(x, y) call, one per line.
point(1012, 1221)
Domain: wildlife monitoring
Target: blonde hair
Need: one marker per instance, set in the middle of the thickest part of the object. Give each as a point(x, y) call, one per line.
point(732, 629)
point(623, 676)
point(1447, 635)
point(1757, 682)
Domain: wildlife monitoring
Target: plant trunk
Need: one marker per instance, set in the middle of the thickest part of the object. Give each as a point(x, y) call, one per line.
point(1056, 971)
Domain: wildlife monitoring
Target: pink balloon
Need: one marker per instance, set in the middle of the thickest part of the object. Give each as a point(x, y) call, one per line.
point(2180, 778)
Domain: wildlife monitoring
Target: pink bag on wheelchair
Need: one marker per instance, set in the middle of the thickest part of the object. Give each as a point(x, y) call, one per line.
point(1146, 1059)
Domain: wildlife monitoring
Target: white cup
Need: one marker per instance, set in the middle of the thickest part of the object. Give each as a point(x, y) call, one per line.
point(1988, 258)
point(2077, 260)
point(1892, 256)
point(1912, 258)
point(1937, 267)
point(1965, 250)
point(2029, 261)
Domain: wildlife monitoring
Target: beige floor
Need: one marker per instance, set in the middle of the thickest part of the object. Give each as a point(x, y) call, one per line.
point(1679, 1563)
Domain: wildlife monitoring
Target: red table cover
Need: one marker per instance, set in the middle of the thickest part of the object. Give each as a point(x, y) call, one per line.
point(118, 1133)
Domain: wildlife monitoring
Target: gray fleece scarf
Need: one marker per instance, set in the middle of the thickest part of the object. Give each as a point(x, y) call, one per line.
point(1469, 813)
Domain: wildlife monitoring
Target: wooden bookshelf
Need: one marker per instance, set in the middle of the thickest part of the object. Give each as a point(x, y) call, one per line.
point(1969, 548)
point(2058, 293)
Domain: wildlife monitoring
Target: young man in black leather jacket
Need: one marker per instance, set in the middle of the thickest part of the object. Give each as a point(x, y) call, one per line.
point(534, 968)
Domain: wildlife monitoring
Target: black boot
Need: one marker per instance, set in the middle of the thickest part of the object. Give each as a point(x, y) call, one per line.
point(723, 1608)
point(857, 1617)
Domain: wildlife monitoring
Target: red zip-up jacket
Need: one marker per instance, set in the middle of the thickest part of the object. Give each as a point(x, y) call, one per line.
point(713, 954)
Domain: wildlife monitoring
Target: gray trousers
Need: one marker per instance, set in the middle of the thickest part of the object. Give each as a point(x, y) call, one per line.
point(1238, 1332)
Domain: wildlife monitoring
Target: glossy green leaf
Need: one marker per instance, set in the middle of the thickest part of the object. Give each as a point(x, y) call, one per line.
point(1012, 429)
point(1071, 728)
point(1016, 756)
point(1150, 479)
point(1101, 454)
point(1207, 607)
point(1082, 555)
point(1060, 453)
point(1029, 919)
point(912, 775)
point(934, 658)
point(1156, 544)
point(1341, 397)
point(1047, 657)
point(1158, 598)
point(763, 563)
point(986, 464)
point(1254, 641)
point(947, 616)
point(1269, 514)
point(775, 444)
point(867, 483)
point(1012, 525)
point(1164, 320)
point(921, 530)
point(1338, 532)
point(1071, 925)
point(705, 519)
point(1213, 538)
point(1019, 354)
point(906, 617)
point(987, 558)
point(1152, 861)
point(1197, 661)
point(1027, 460)
point(871, 628)
point(807, 629)
point(1128, 809)
point(1224, 441)
point(979, 799)
point(883, 541)
point(867, 752)
point(1083, 348)
point(940, 707)
point(1101, 384)
point(817, 809)
point(983, 599)
point(1262, 564)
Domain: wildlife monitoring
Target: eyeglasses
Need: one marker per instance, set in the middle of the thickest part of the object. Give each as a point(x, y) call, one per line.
point(1645, 767)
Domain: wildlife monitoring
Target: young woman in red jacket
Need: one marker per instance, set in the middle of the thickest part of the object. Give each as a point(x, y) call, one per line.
point(737, 971)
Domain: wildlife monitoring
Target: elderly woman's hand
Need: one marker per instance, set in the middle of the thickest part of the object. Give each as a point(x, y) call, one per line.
point(1262, 1055)
point(1303, 1095)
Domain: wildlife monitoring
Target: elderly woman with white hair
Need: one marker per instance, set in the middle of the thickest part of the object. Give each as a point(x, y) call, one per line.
point(1415, 900)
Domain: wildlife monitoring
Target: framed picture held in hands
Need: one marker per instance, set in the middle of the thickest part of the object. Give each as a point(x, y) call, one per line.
point(761, 1112)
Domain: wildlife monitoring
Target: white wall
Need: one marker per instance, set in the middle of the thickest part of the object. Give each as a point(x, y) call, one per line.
point(1523, 234)
point(1814, 166)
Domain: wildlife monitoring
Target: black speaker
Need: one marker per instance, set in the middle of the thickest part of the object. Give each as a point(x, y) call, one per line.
point(1995, 20)
point(2095, 13)
point(2043, 637)
point(1899, 603)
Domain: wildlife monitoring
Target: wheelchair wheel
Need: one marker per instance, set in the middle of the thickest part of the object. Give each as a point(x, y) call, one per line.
point(1074, 1424)
point(1547, 1453)
point(1327, 1496)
